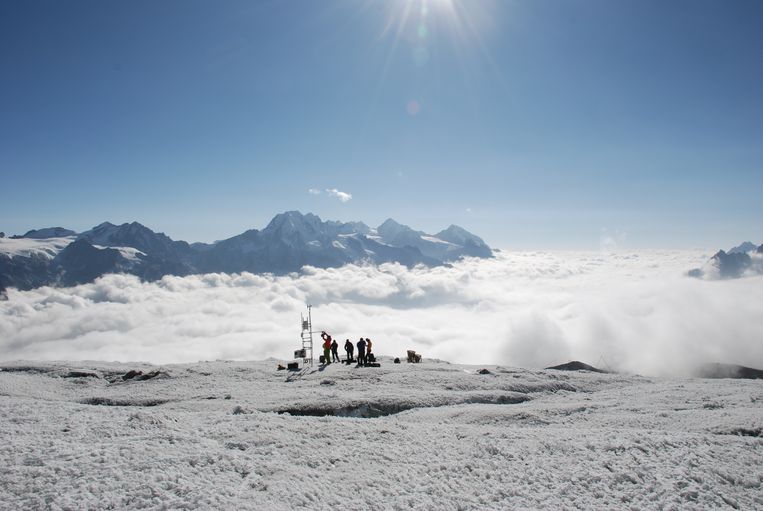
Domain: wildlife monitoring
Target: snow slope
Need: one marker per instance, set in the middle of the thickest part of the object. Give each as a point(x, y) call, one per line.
point(426, 436)
point(46, 248)
point(129, 253)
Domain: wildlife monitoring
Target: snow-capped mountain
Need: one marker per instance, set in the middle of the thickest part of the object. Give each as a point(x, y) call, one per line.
point(135, 235)
point(26, 263)
point(447, 245)
point(743, 248)
point(290, 241)
point(49, 232)
point(81, 262)
point(743, 260)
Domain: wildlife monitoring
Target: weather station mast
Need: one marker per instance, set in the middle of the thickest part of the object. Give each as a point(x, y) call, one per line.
point(306, 353)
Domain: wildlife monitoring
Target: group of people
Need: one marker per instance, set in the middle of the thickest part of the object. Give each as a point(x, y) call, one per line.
point(331, 348)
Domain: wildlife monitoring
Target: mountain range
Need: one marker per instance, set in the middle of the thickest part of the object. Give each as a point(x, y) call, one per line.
point(58, 256)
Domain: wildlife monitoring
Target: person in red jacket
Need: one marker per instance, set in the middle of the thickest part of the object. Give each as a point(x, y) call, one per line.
point(326, 347)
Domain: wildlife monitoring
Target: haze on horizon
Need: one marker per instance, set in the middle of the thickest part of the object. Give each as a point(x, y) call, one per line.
point(540, 124)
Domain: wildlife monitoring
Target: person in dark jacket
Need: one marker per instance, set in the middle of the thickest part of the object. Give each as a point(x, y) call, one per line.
point(361, 351)
point(334, 354)
point(349, 348)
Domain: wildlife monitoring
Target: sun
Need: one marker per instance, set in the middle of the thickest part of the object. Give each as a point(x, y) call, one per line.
point(424, 32)
point(417, 21)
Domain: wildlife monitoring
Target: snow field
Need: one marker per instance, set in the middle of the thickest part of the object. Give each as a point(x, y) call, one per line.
point(46, 248)
point(576, 440)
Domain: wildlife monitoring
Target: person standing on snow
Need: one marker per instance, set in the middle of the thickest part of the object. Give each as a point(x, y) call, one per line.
point(361, 352)
point(326, 347)
point(349, 348)
point(334, 354)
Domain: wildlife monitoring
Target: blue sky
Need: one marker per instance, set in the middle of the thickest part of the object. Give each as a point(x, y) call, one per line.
point(535, 124)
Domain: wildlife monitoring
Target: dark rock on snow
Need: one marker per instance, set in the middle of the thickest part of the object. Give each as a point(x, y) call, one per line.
point(80, 374)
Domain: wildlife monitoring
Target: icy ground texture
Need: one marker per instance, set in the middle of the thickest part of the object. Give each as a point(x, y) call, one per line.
point(208, 436)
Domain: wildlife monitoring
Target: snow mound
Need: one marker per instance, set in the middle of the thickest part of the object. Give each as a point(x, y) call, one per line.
point(577, 366)
point(729, 371)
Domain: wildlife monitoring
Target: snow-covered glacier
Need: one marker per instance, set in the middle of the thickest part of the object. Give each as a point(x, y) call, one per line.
point(439, 436)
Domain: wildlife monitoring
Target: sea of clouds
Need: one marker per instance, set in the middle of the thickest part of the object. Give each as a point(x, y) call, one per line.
point(628, 311)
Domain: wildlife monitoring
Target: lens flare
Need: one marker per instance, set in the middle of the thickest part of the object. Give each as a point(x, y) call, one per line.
point(413, 108)
point(422, 31)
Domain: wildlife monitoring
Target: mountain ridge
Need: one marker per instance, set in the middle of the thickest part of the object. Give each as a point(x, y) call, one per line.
point(290, 241)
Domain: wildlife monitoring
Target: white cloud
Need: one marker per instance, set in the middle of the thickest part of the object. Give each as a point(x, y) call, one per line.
point(342, 196)
point(636, 310)
point(332, 192)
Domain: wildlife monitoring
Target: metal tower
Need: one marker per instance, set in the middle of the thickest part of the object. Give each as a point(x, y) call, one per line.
point(306, 353)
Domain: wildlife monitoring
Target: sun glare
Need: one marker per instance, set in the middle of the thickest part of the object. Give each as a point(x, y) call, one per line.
point(416, 15)
point(422, 24)
point(422, 29)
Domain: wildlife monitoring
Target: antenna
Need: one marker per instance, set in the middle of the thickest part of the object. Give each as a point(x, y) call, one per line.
point(601, 359)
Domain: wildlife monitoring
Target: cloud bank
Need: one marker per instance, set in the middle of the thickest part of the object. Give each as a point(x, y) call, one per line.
point(634, 311)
